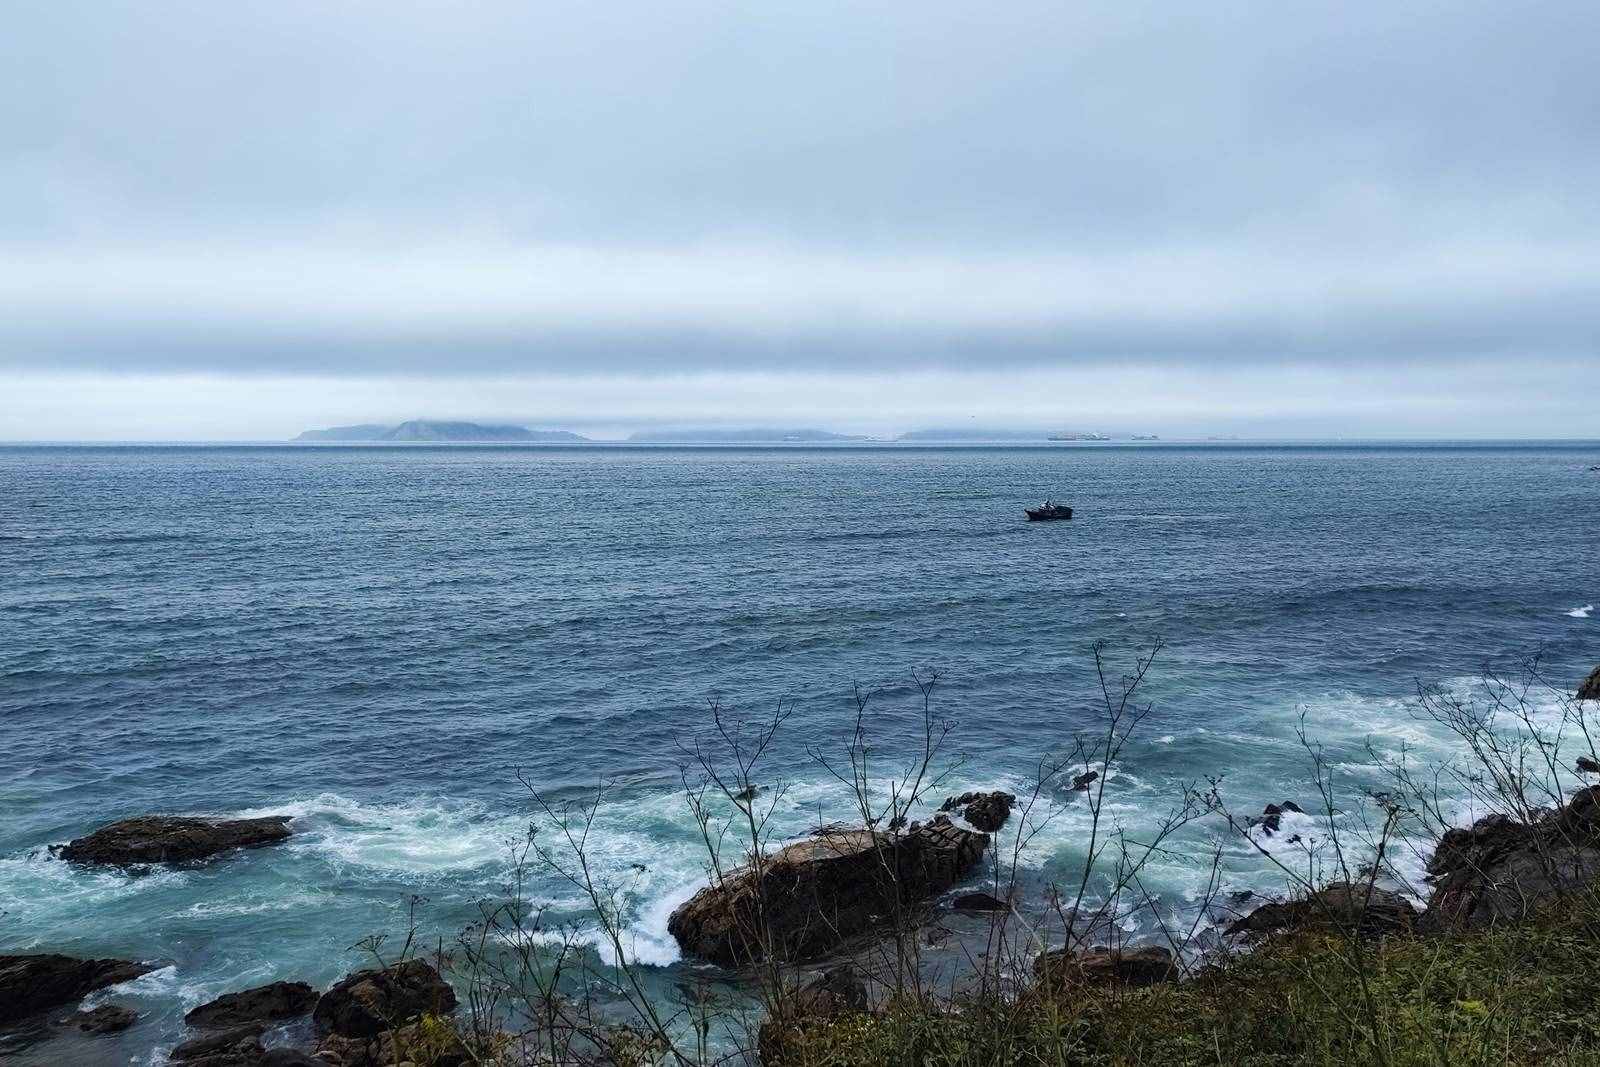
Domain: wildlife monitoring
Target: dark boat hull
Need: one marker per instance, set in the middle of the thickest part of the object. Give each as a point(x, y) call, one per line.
point(1047, 514)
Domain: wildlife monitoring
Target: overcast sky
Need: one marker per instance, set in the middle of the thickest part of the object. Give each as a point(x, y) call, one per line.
point(237, 220)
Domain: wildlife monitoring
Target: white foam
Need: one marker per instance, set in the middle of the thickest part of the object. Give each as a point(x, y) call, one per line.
point(1580, 613)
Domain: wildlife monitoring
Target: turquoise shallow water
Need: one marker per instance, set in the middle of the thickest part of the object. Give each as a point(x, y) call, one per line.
point(378, 639)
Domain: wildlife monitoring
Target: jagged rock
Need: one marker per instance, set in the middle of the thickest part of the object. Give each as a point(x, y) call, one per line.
point(1501, 869)
point(1271, 819)
point(1105, 966)
point(979, 902)
point(268, 1003)
point(1588, 765)
point(1371, 911)
point(428, 1042)
point(239, 1046)
point(1589, 688)
point(985, 811)
point(289, 1057)
point(35, 983)
point(169, 839)
point(818, 892)
point(367, 1003)
point(1082, 782)
point(106, 1019)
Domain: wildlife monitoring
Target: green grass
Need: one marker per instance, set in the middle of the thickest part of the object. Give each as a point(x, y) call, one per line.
point(1528, 994)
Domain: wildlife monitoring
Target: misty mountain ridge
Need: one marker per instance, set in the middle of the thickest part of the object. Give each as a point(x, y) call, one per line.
point(433, 430)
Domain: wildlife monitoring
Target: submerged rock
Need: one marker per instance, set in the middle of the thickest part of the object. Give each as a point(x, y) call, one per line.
point(170, 839)
point(1369, 910)
point(34, 983)
point(106, 1019)
point(367, 1003)
point(1106, 966)
point(979, 902)
point(268, 1003)
point(816, 893)
point(1271, 819)
point(985, 811)
point(1588, 765)
point(1082, 782)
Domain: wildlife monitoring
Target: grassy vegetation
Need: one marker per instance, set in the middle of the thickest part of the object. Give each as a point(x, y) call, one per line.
point(1524, 994)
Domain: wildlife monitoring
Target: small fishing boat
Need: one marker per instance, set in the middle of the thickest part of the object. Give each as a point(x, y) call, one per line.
point(1049, 511)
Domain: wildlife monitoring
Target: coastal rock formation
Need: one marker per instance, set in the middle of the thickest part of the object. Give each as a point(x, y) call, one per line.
point(985, 811)
point(979, 902)
point(1272, 816)
point(169, 839)
point(239, 1047)
point(417, 1043)
point(268, 1003)
point(1370, 910)
point(818, 892)
point(1501, 869)
point(838, 991)
point(106, 1019)
point(1106, 966)
point(35, 983)
point(1082, 782)
point(1589, 689)
point(367, 1003)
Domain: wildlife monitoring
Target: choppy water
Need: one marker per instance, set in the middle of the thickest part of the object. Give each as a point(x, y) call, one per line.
point(378, 639)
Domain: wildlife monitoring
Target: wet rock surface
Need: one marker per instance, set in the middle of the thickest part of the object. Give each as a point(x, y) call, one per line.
point(268, 1003)
point(170, 839)
point(1589, 688)
point(1103, 965)
point(367, 1003)
point(38, 982)
point(815, 894)
point(106, 1019)
point(985, 811)
point(1370, 910)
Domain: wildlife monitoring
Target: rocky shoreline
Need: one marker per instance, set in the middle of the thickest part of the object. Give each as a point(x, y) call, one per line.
point(798, 905)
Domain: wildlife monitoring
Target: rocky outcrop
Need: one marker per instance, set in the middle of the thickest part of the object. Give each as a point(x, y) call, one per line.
point(1589, 688)
point(1082, 782)
point(838, 991)
point(1369, 910)
point(238, 1047)
point(1271, 819)
point(106, 1019)
point(263, 1004)
point(803, 900)
point(368, 1003)
point(419, 1043)
point(35, 983)
point(985, 811)
point(1502, 869)
point(1105, 966)
point(169, 839)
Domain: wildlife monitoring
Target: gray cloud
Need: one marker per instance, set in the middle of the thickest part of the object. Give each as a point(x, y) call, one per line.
point(564, 188)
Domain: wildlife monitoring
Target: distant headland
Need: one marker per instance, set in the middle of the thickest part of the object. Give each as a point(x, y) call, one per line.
point(426, 430)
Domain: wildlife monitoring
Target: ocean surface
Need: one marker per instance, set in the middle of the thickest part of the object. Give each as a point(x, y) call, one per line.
point(379, 640)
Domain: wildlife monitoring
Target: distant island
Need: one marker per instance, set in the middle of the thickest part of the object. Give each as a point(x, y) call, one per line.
point(427, 430)
point(757, 435)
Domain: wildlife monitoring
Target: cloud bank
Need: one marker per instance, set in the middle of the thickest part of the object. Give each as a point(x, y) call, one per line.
point(557, 200)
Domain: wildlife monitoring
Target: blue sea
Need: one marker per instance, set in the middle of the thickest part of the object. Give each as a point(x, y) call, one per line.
point(379, 640)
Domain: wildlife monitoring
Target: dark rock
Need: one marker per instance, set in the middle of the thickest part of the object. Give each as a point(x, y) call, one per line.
point(1588, 765)
point(979, 902)
point(1502, 869)
point(241, 1045)
point(1106, 966)
point(268, 1003)
point(985, 811)
point(417, 1043)
point(1271, 819)
point(1083, 781)
point(106, 1019)
point(367, 1003)
point(289, 1057)
point(167, 839)
point(816, 893)
point(838, 991)
point(1370, 911)
point(35, 983)
point(1589, 688)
